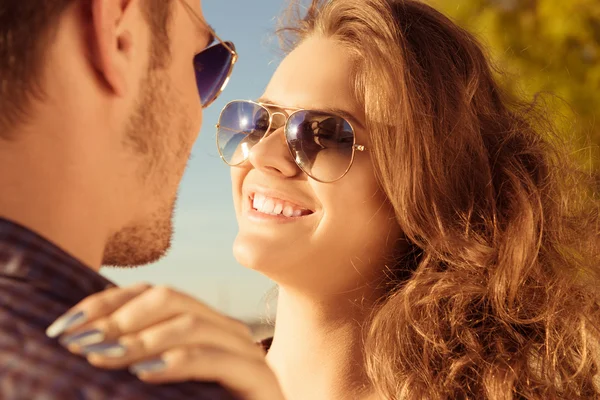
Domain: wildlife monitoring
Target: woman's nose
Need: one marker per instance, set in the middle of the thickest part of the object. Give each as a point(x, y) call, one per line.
point(271, 154)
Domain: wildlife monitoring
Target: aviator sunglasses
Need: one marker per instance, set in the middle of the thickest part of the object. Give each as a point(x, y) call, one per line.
point(322, 144)
point(213, 66)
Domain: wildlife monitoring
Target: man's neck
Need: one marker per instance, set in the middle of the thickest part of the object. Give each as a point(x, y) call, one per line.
point(317, 347)
point(47, 194)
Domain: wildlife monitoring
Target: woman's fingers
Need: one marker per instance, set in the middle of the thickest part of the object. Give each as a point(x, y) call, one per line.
point(166, 336)
point(121, 311)
point(181, 331)
point(94, 307)
point(249, 378)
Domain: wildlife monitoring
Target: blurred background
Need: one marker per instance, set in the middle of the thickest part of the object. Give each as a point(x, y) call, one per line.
point(542, 45)
point(545, 46)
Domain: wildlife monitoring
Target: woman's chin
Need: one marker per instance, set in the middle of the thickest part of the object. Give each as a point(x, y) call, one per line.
point(277, 262)
point(257, 256)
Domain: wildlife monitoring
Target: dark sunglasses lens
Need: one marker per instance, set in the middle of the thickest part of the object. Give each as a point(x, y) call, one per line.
point(242, 124)
point(212, 70)
point(321, 144)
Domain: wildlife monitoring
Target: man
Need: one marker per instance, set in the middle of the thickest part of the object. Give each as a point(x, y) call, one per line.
point(100, 105)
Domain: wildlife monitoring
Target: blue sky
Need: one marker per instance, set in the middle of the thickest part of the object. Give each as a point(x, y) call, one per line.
point(201, 261)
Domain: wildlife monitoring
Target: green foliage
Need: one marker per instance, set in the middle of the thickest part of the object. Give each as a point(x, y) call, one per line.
point(545, 46)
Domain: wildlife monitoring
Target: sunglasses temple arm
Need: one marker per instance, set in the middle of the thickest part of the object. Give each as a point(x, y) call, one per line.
point(212, 31)
point(222, 42)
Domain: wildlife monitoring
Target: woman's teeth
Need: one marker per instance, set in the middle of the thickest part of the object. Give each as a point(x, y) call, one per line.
point(270, 206)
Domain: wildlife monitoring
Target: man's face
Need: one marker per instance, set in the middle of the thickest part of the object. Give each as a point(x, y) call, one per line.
point(157, 141)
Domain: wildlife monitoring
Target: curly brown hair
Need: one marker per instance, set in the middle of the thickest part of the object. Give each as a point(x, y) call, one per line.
point(502, 300)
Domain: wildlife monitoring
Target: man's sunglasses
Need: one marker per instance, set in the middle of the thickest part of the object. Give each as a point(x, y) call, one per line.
point(323, 145)
point(214, 65)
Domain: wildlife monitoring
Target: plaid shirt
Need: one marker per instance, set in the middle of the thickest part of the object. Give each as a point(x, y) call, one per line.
point(38, 283)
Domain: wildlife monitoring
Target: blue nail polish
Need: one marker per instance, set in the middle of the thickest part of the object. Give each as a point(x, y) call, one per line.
point(85, 338)
point(148, 366)
point(65, 322)
point(111, 350)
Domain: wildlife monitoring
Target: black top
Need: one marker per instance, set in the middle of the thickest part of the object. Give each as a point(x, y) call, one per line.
point(266, 344)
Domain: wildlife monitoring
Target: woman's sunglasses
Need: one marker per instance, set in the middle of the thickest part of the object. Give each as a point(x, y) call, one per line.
point(214, 65)
point(321, 144)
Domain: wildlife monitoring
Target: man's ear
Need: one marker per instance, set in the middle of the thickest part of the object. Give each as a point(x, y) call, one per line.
point(111, 42)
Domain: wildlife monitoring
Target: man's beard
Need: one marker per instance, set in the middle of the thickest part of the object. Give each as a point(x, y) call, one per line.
point(146, 241)
point(141, 244)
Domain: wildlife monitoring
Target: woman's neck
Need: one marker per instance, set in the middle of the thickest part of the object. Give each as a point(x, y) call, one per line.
point(317, 346)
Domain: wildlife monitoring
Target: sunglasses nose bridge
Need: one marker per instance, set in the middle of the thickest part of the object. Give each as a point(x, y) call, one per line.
point(278, 120)
point(278, 124)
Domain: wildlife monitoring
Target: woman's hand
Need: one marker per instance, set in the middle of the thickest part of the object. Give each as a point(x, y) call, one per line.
point(162, 336)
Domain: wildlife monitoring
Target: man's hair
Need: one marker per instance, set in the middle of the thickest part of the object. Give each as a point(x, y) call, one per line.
point(27, 29)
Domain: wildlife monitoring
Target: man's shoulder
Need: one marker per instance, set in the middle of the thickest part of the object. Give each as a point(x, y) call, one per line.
point(33, 366)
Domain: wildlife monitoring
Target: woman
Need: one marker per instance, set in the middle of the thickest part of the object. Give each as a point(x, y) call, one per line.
point(428, 237)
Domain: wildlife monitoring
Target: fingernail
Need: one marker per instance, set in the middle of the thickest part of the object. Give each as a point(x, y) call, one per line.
point(148, 367)
point(111, 350)
point(85, 338)
point(65, 322)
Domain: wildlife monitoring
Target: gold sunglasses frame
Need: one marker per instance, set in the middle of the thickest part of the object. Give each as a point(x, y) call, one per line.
point(355, 147)
point(234, 53)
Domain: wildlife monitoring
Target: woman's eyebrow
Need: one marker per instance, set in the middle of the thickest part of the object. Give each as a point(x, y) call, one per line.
point(329, 110)
point(344, 114)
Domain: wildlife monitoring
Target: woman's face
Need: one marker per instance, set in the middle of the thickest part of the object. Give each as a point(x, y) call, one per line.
point(347, 229)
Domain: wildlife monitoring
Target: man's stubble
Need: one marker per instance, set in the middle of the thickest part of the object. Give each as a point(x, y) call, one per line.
point(158, 134)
